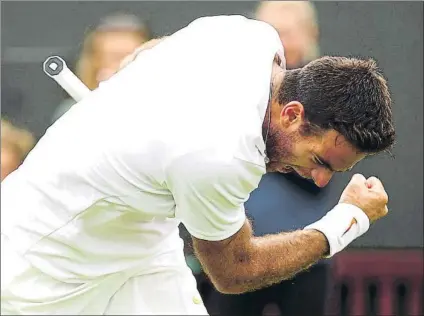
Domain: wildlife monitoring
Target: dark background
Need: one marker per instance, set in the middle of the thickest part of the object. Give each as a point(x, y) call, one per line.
point(390, 32)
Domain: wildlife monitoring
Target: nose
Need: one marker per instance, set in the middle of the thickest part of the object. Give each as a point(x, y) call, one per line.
point(321, 177)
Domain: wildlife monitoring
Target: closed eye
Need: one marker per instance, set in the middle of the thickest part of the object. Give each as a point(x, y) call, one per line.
point(323, 163)
point(317, 161)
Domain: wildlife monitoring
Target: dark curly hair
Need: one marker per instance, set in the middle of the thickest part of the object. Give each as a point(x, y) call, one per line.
point(348, 95)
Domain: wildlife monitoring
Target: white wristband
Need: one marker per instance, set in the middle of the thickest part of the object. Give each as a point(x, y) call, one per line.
point(343, 224)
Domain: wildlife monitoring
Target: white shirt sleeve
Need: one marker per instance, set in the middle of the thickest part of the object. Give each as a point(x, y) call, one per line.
point(236, 54)
point(210, 192)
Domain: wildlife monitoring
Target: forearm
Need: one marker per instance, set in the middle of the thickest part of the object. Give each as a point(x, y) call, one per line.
point(244, 263)
point(274, 258)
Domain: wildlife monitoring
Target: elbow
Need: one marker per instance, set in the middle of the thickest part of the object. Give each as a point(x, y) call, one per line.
point(236, 278)
point(227, 288)
point(229, 285)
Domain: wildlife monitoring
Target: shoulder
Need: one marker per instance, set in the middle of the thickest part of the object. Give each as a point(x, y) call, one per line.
point(227, 26)
point(215, 168)
point(230, 21)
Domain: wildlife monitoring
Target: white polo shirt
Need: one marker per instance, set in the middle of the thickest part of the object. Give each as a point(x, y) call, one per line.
point(176, 136)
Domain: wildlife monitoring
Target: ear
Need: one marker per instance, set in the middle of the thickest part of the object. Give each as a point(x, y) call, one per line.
point(292, 114)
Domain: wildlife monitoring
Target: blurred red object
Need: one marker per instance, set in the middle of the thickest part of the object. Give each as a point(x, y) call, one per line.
point(377, 282)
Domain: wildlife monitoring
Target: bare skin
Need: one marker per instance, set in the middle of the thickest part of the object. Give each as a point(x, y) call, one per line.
point(244, 262)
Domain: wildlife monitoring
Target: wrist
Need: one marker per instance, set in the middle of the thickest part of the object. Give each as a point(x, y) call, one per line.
point(343, 224)
point(320, 236)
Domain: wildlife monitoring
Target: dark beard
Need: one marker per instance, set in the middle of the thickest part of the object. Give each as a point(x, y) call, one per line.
point(279, 146)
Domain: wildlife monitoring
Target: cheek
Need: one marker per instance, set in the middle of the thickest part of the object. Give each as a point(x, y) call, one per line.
point(301, 154)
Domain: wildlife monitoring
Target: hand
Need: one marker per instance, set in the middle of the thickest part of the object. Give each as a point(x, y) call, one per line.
point(367, 194)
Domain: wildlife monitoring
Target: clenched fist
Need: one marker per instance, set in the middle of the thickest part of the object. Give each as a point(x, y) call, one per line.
point(367, 194)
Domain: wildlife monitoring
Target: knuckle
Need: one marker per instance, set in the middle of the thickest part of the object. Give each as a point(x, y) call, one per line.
point(350, 187)
point(382, 200)
point(384, 197)
point(358, 177)
point(383, 211)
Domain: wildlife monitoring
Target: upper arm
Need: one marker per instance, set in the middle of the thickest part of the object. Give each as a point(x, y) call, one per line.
point(220, 259)
point(210, 192)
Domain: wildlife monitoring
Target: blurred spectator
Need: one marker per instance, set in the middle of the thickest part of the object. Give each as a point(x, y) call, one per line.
point(12, 102)
point(297, 25)
point(104, 47)
point(15, 145)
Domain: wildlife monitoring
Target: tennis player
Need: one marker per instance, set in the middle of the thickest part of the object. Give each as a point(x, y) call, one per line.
point(183, 134)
